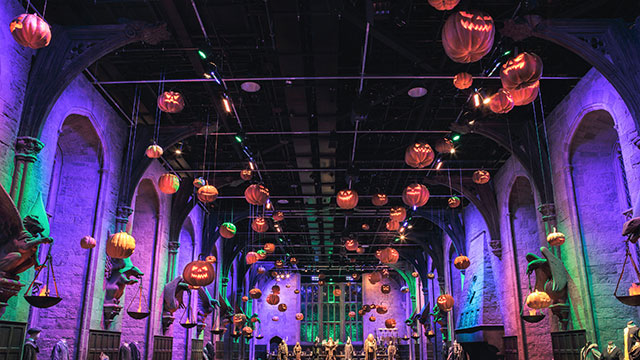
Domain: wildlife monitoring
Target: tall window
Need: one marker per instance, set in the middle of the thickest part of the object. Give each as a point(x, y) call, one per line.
point(327, 315)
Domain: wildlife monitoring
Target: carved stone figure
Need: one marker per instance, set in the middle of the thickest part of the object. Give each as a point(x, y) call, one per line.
point(330, 348)
point(370, 348)
point(456, 352)
point(348, 349)
point(172, 299)
point(297, 351)
point(120, 273)
point(283, 350)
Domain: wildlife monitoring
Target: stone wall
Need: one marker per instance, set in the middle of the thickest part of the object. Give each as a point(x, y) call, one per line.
point(287, 327)
point(396, 301)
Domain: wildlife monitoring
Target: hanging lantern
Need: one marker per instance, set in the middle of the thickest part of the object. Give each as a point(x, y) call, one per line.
point(260, 225)
point(461, 262)
point(521, 71)
point(419, 155)
point(30, 30)
point(299, 316)
point(278, 216)
point(251, 258)
point(375, 277)
point(390, 323)
point(389, 256)
point(41, 296)
point(379, 199)
point(269, 248)
point(351, 244)
point(352, 314)
point(199, 182)
point(120, 245)
point(137, 312)
point(444, 145)
point(525, 95)
point(392, 225)
point(282, 307)
point(445, 302)
point(501, 102)
point(385, 289)
point(255, 293)
point(198, 273)
point(273, 299)
point(556, 238)
point(415, 195)
point(246, 174)
point(454, 202)
point(398, 213)
point(154, 151)
point(256, 194)
point(211, 259)
point(337, 292)
point(538, 300)
point(481, 177)
point(171, 102)
point(87, 242)
point(347, 199)
point(169, 183)
point(207, 194)
point(462, 81)
point(227, 230)
point(467, 36)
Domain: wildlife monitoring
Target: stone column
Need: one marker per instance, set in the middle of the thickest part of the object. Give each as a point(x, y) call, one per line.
point(27, 150)
point(173, 259)
point(548, 212)
point(122, 217)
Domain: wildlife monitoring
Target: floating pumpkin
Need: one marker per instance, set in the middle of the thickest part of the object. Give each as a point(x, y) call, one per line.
point(120, 245)
point(392, 225)
point(375, 277)
point(372, 318)
point(445, 302)
point(30, 30)
point(443, 5)
point(337, 292)
point(282, 307)
point(169, 183)
point(398, 213)
point(299, 316)
point(389, 256)
point(171, 102)
point(347, 199)
point(481, 177)
point(382, 309)
point(501, 102)
point(154, 151)
point(360, 250)
point(275, 289)
point(538, 300)
point(273, 299)
point(227, 230)
point(279, 264)
point(251, 258)
point(385, 289)
point(419, 155)
point(275, 318)
point(415, 195)
point(278, 216)
point(454, 202)
point(462, 80)
point(269, 248)
point(207, 194)
point(245, 298)
point(361, 312)
point(261, 254)
point(255, 293)
point(390, 323)
point(444, 145)
point(211, 259)
point(351, 244)
point(415, 274)
point(352, 314)
point(521, 71)
point(199, 182)
point(321, 283)
point(256, 194)
point(260, 225)
point(379, 199)
point(246, 174)
point(261, 270)
point(296, 291)
point(198, 273)
point(461, 262)
point(431, 276)
point(467, 36)
point(404, 289)
point(239, 319)
point(247, 331)
point(355, 276)
point(556, 238)
point(365, 227)
point(525, 95)
point(87, 242)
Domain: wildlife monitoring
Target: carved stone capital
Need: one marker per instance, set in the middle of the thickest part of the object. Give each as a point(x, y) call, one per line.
point(548, 212)
point(28, 148)
point(110, 312)
point(496, 247)
point(174, 246)
point(122, 217)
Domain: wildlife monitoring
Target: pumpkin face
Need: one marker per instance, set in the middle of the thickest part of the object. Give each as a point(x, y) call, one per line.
point(255, 293)
point(462, 80)
point(467, 36)
point(352, 314)
point(296, 291)
point(278, 216)
point(379, 199)
point(121, 245)
point(372, 318)
point(169, 183)
point(246, 174)
point(501, 102)
point(207, 194)
point(538, 300)
point(392, 225)
point(279, 264)
point(398, 213)
point(382, 309)
point(525, 95)
point(199, 182)
point(443, 5)
point(30, 30)
point(269, 248)
point(415, 274)
point(198, 273)
point(481, 177)
point(404, 289)
point(388, 256)
point(251, 258)
point(419, 155)
point(351, 244)
point(299, 316)
point(385, 289)
point(444, 145)
point(355, 276)
point(227, 230)
point(260, 225)
point(87, 242)
point(337, 292)
point(282, 307)
point(347, 199)
point(171, 102)
point(453, 202)
point(521, 71)
point(445, 302)
point(390, 323)
point(461, 262)
point(375, 277)
point(365, 227)
point(556, 238)
point(211, 259)
point(154, 151)
point(256, 194)
point(431, 276)
point(273, 299)
point(415, 195)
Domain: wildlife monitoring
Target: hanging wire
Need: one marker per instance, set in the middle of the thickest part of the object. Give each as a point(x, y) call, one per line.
point(544, 181)
point(158, 117)
point(215, 153)
point(206, 145)
point(132, 138)
point(546, 135)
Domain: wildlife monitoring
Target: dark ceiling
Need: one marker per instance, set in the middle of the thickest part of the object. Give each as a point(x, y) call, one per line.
point(321, 38)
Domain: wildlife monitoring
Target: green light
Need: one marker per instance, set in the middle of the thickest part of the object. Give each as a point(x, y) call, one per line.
point(238, 138)
point(202, 54)
point(508, 52)
point(455, 137)
point(396, 239)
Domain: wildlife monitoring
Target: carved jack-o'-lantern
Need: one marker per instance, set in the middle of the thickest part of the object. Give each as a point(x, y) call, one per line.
point(419, 155)
point(444, 145)
point(556, 238)
point(251, 258)
point(462, 80)
point(355, 276)
point(501, 102)
point(382, 309)
point(278, 216)
point(168, 183)
point(273, 299)
point(293, 261)
point(269, 248)
point(279, 264)
point(255, 293)
point(256, 194)
point(481, 177)
point(261, 256)
point(390, 323)
point(87, 242)
point(260, 225)
point(352, 314)
point(198, 273)
point(299, 316)
point(120, 245)
point(415, 274)
point(282, 307)
point(211, 259)
point(398, 213)
point(521, 71)
point(296, 291)
point(246, 174)
point(337, 292)
point(461, 262)
point(199, 182)
point(467, 36)
point(392, 225)
point(351, 244)
point(171, 102)
point(207, 194)
point(261, 270)
point(365, 226)
point(372, 318)
point(30, 30)
point(320, 282)
point(415, 195)
point(454, 202)
point(227, 230)
point(375, 277)
point(379, 199)
point(538, 300)
point(385, 289)
point(443, 5)
point(431, 276)
point(154, 151)
point(525, 95)
point(275, 318)
point(388, 256)
point(347, 199)
point(445, 302)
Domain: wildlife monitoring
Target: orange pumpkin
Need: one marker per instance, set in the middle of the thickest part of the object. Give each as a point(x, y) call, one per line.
point(415, 195)
point(154, 151)
point(207, 194)
point(296, 291)
point(415, 274)
point(278, 216)
point(445, 302)
point(538, 300)
point(398, 213)
point(347, 199)
point(30, 30)
point(481, 177)
point(467, 36)
point(273, 299)
point(227, 230)
point(461, 262)
point(431, 276)
point(375, 277)
point(360, 250)
point(260, 225)
point(379, 199)
point(251, 257)
point(246, 174)
point(382, 309)
point(256, 194)
point(355, 276)
point(352, 314)
point(556, 238)
point(419, 155)
point(171, 102)
point(293, 261)
point(365, 227)
point(392, 225)
point(443, 5)
point(279, 264)
point(337, 292)
point(521, 71)
point(199, 182)
point(169, 183)
point(351, 244)
point(501, 102)
point(245, 298)
point(121, 245)
point(389, 256)
point(255, 293)
point(282, 307)
point(299, 316)
point(525, 95)
point(198, 273)
point(211, 259)
point(444, 145)
point(390, 323)
point(87, 242)
point(269, 248)
point(454, 202)
point(462, 80)
point(372, 318)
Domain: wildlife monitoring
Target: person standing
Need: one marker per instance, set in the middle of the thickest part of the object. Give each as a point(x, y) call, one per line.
point(30, 349)
point(316, 349)
point(297, 351)
point(391, 351)
point(612, 353)
point(348, 349)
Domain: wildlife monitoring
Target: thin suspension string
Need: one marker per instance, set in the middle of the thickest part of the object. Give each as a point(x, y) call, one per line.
point(44, 10)
point(544, 181)
point(132, 135)
point(546, 136)
point(206, 146)
point(215, 153)
point(156, 129)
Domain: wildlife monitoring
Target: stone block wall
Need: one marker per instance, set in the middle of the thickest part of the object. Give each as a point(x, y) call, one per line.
point(287, 327)
point(396, 301)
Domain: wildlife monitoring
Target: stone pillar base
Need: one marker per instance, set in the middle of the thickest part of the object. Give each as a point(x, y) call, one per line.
point(110, 312)
point(8, 289)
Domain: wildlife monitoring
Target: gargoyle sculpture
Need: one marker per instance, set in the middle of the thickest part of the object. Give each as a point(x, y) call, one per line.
point(172, 300)
point(552, 277)
point(121, 273)
point(206, 305)
point(421, 316)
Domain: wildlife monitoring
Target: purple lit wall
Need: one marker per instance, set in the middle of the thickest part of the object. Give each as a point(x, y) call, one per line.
point(287, 327)
point(396, 301)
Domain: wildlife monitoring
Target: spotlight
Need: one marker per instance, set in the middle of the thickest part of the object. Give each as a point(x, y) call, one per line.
point(250, 86)
point(402, 237)
point(211, 72)
point(455, 137)
point(227, 104)
point(439, 164)
point(452, 151)
point(476, 99)
point(417, 92)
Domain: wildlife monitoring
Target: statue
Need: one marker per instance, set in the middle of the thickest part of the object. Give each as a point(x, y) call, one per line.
point(330, 348)
point(612, 353)
point(456, 352)
point(590, 352)
point(120, 273)
point(283, 351)
point(172, 299)
point(553, 278)
point(297, 351)
point(205, 307)
point(391, 350)
point(348, 349)
point(370, 348)
point(316, 349)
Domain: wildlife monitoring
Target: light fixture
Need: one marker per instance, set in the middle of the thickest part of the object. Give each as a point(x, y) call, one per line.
point(268, 207)
point(455, 137)
point(252, 165)
point(283, 201)
point(402, 237)
point(439, 164)
point(250, 86)
point(476, 99)
point(486, 100)
point(452, 151)
point(178, 150)
point(202, 54)
point(227, 104)
point(417, 92)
